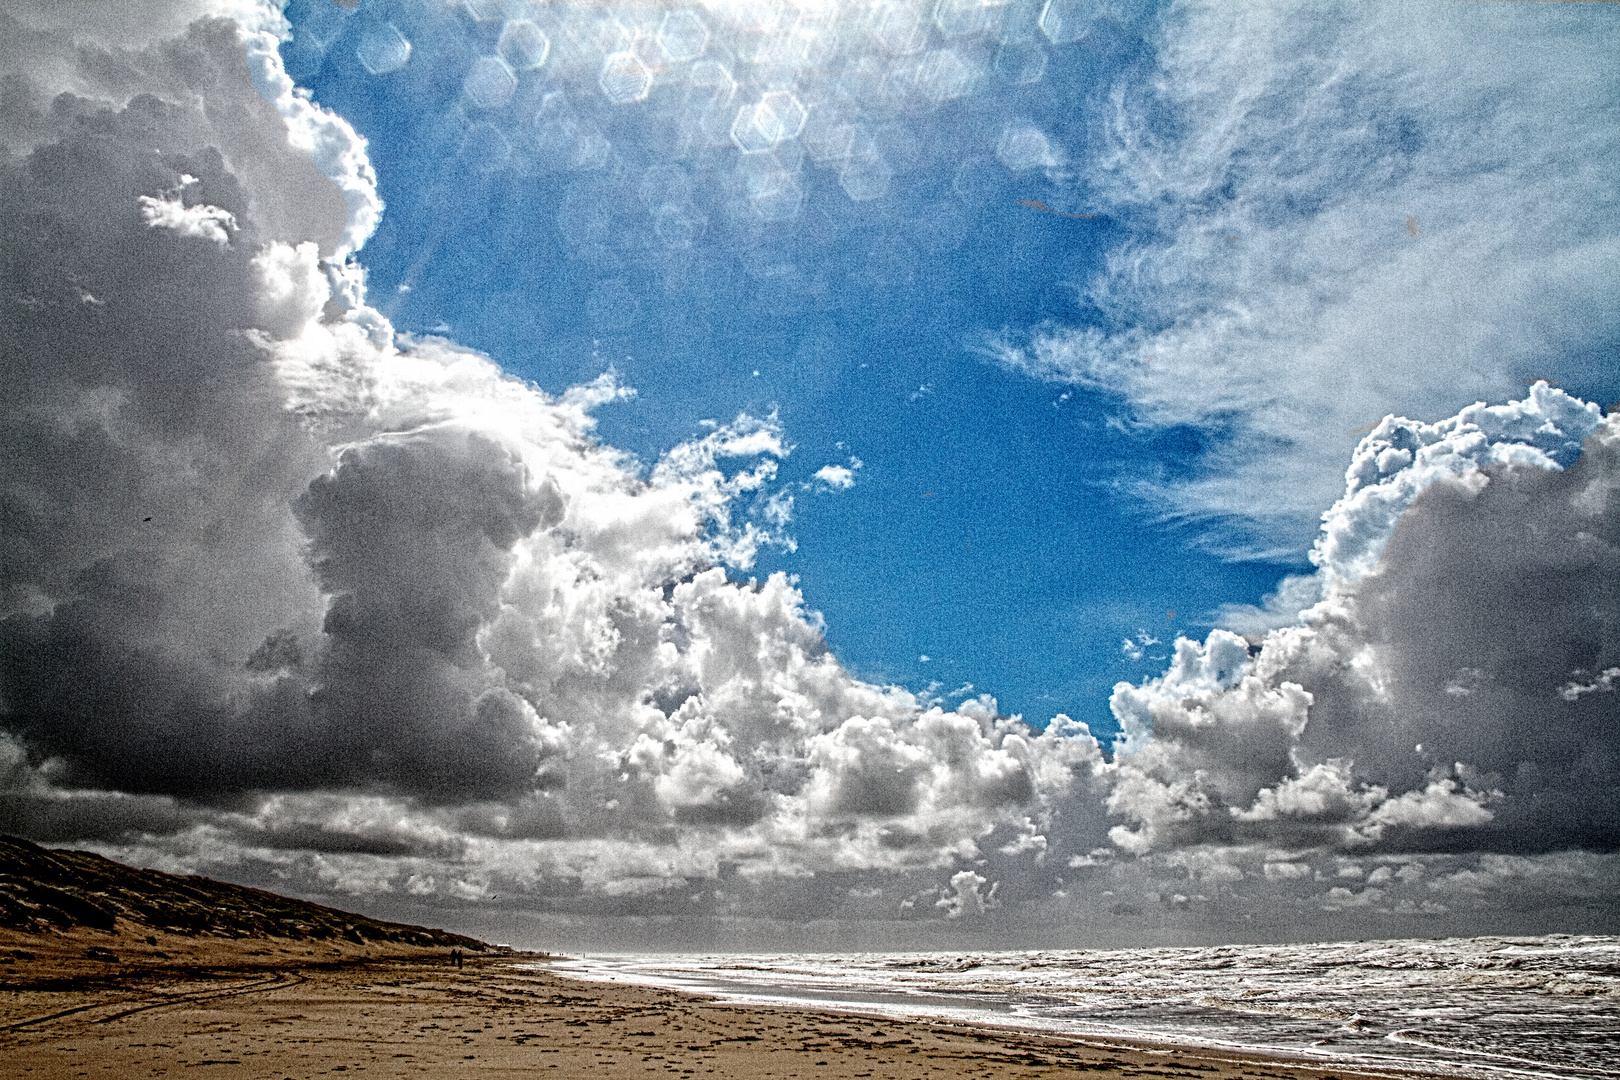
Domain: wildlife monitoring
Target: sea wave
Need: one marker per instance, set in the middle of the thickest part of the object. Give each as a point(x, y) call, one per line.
point(1473, 1007)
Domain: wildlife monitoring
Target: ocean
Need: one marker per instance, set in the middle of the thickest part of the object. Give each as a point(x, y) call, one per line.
point(1476, 1007)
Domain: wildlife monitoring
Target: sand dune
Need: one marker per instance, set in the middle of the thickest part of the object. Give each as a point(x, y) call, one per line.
point(51, 892)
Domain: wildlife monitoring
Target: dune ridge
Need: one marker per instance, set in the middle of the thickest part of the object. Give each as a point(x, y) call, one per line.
point(71, 912)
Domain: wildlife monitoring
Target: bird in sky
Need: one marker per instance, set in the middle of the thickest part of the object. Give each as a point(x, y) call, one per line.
point(1036, 204)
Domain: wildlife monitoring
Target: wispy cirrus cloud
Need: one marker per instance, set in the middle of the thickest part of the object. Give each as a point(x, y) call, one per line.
point(1334, 214)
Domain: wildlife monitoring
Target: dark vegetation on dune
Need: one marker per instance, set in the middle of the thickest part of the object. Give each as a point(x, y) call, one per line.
point(42, 890)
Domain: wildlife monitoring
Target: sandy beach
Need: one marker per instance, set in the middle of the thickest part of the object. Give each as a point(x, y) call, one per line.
point(281, 1010)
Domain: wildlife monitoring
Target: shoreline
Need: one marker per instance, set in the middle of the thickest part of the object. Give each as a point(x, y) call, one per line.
point(258, 1009)
point(1232, 1054)
point(987, 1010)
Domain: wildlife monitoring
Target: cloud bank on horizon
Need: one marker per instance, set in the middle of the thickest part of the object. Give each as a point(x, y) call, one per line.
point(294, 598)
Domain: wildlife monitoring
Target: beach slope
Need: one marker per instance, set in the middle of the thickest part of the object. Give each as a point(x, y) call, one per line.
point(505, 1016)
point(107, 971)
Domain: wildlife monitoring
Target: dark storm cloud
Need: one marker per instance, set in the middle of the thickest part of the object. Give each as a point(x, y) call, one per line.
point(51, 818)
point(148, 462)
point(1492, 600)
point(411, 539)
point(1458, 698)
point(148, 548)
point(71, 66)
point(152, 563)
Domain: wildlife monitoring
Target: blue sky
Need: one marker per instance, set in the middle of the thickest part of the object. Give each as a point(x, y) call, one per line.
point(614, 473)
point(998, 524)
point(988, 528)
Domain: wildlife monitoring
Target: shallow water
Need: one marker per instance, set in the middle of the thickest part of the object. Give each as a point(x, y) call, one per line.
point(1486, 1007)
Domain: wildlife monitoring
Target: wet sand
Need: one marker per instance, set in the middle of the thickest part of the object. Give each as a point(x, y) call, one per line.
point(289, 1011)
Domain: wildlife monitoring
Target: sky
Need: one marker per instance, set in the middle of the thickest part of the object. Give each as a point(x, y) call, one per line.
point(831, 475)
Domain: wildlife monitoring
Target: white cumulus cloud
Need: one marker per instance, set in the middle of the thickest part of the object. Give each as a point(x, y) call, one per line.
point(836, 476)
point(200, 221)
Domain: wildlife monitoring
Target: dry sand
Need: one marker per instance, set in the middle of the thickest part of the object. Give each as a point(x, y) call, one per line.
point(249, 1009)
